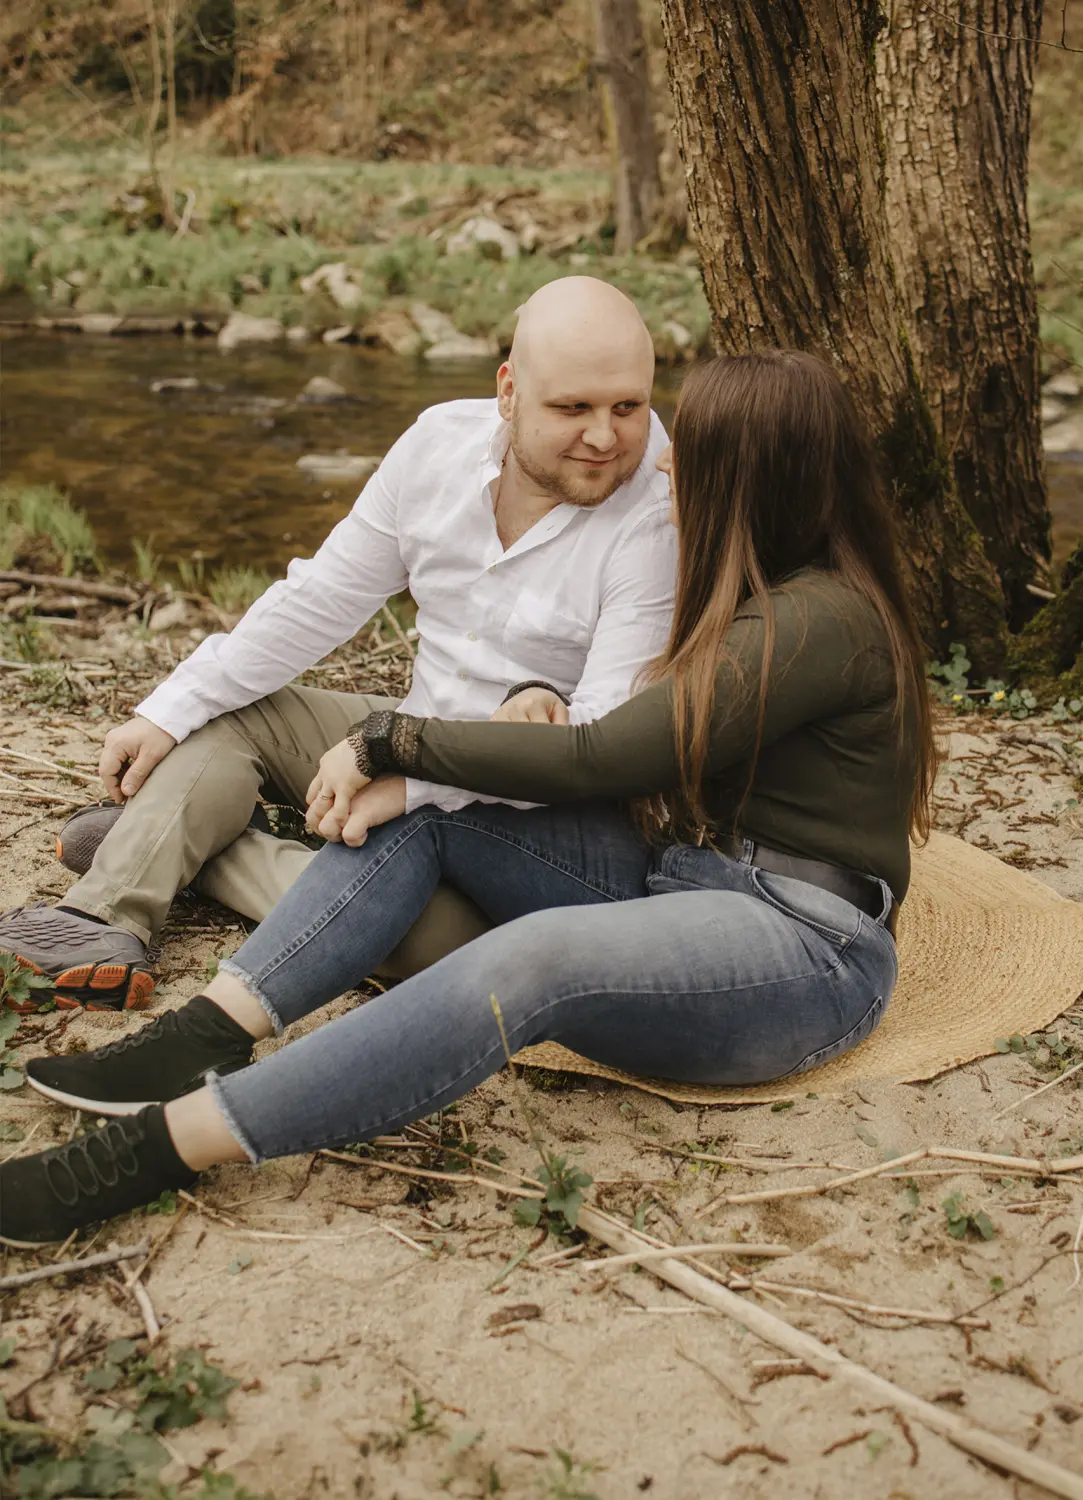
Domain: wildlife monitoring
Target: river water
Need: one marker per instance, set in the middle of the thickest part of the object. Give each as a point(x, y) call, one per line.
point(210, 473)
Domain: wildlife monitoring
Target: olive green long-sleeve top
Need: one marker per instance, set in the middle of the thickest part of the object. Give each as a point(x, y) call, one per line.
point(834, 777)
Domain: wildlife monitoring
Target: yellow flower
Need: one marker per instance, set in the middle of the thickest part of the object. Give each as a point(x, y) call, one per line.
point(957, 697)
point(998, 696)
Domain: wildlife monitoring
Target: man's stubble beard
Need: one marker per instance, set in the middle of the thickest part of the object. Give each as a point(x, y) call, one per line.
point(555, 484)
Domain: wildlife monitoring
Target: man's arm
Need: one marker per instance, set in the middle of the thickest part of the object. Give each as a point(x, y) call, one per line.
point(321, 603)
point(634, 619)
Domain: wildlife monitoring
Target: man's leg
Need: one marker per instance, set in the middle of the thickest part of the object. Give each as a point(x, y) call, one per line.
point(198, 801)
point(193, 812)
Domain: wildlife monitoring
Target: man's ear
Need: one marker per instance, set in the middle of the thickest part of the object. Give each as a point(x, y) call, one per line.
point(505, 389)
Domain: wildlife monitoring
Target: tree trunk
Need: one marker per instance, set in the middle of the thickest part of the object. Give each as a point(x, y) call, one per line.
point(955, 97)
point(779, 125)
point(621, 60)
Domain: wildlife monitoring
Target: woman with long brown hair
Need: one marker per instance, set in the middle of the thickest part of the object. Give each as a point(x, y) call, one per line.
point(737, 928)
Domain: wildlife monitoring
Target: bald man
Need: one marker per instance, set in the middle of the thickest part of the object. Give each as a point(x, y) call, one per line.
point(532, 532)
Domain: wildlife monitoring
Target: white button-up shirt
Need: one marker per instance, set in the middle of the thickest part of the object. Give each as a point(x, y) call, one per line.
point(582, 600)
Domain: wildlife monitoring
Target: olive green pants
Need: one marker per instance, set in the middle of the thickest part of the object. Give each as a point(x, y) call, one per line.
point(188, 824)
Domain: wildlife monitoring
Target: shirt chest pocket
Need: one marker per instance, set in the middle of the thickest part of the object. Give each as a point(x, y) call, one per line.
point(547, 636)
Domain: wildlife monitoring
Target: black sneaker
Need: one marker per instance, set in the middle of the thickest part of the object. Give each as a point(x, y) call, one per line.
point(127, 1163)
point(169, 1057)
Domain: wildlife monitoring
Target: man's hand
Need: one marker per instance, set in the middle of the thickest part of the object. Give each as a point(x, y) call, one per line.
point(331, 790)
point(532, 706)
point(379, 802)
point(129, 755)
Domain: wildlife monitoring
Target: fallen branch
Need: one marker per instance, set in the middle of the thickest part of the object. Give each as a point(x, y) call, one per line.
point(66, 1267)
point(1028, 1165)
point(781, 1335)
point(682, 1252)
point(112, 593)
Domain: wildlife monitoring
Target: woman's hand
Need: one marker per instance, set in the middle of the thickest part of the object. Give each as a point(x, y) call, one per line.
point(331, 790)
point(379, 802)
point(532, 706)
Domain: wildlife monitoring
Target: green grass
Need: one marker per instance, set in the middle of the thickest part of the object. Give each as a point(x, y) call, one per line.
point(37, 521)
point(235, 589)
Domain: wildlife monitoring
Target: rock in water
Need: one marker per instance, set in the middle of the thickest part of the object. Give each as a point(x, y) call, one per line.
point(321, 391)
point(392, 329)
point(1064, 385)
point(242, 328)
point(338, 468)
point(175, 383)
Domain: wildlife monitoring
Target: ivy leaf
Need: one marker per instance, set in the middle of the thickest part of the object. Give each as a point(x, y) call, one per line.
point(983, 1224)
point(105, 1378)
point(1002, 1044)
point(11, 1079)
point(528, 1212)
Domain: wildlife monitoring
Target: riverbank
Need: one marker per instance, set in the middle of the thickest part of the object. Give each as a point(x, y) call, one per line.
point(84, 236)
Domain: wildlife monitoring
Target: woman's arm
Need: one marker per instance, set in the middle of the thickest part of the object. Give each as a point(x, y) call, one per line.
point(819, 665)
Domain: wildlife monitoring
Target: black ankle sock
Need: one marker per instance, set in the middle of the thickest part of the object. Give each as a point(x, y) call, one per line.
point(74, 911)
point(211, 1021)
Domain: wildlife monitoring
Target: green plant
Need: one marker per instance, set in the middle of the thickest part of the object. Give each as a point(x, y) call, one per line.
point(18, 982)
point(562, 1185)
point(117, 1453)
point(148, 564)
point(566, 1478)
point(192, 574)
point(962, 1222)
point(41, 513)
point(234, 590)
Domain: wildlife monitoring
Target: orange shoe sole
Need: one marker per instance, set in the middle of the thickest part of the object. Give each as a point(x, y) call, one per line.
point(91, 987)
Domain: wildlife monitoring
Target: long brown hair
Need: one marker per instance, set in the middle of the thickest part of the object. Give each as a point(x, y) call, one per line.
point(775, 471)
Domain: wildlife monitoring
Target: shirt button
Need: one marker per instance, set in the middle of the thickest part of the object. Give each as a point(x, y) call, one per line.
point(463, 677)
point(492, 567)
point(472, 636)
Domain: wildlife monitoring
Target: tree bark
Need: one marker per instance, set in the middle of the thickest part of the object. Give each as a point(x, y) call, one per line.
point(955, 97)
point(779, 123)
point(621, 59)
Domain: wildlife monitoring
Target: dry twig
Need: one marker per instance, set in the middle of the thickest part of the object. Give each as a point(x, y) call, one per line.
point(68, 1267)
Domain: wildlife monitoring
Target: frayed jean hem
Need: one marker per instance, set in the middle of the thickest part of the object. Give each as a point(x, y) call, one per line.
point(227, 966)
point(214, 1083)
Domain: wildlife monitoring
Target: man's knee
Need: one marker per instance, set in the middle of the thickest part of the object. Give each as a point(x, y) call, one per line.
point(450, 921)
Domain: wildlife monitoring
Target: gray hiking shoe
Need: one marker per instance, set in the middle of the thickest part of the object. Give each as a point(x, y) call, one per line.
point(81, 962)
point(78, 840)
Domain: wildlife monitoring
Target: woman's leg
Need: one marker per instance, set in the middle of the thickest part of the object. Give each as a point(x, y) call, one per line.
point(351, 906)
point(712, 987)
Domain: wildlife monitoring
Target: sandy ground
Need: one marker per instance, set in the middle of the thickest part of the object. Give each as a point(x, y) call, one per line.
point(364, 1292)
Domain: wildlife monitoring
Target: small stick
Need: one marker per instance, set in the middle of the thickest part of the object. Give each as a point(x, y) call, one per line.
point(682, 1252)
point(960, 1320)
point(405, 1238)
point(146, 1310)
point(397, 628)
point(39, 760)
point(112, 593)
point(456, 1177)
point(66, 1267)
point(751, 1448)
point(782, 1335)
point(855, 1437)
point(1017, 1164)
point(1034, 1094)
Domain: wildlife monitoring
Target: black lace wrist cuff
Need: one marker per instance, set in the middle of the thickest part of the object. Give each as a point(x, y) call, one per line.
point(385, 742)
point(521, 687)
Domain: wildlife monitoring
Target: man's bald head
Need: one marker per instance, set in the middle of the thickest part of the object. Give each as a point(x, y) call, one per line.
point(576, 389)
point(582, 323)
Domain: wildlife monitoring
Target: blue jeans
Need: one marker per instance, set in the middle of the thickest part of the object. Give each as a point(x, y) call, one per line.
point(691, 966)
